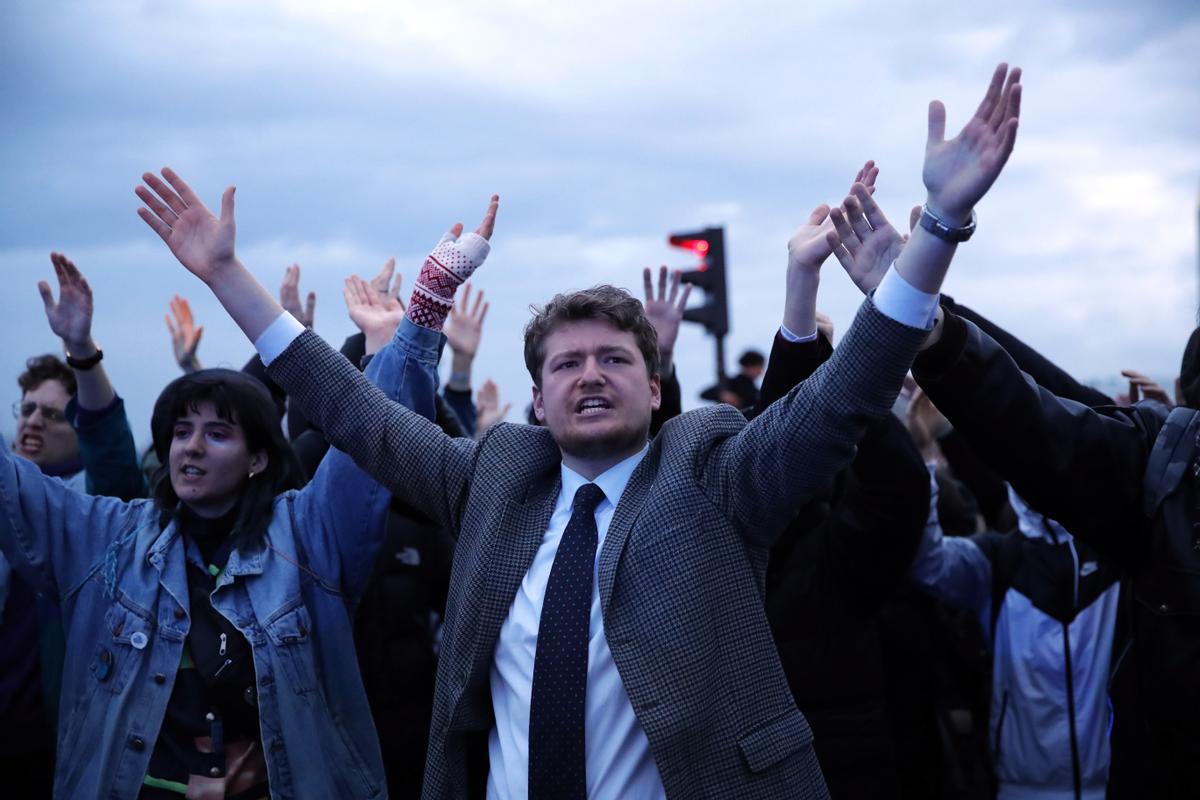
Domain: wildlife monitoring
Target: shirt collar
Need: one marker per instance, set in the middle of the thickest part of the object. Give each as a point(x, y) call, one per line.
point(612, 481)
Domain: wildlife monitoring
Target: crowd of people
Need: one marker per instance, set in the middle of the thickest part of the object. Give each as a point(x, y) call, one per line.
point(927, 563)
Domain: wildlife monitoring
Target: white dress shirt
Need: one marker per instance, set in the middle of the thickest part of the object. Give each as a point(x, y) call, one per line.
point(617, 753)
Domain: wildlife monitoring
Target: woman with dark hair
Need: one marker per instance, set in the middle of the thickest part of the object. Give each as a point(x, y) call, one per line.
point(209, 629)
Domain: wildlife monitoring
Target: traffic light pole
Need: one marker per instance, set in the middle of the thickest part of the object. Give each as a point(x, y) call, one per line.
point(720, 339)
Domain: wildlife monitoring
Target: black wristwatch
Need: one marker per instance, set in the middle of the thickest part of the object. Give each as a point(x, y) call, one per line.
point(932, 223)
point(84, 364)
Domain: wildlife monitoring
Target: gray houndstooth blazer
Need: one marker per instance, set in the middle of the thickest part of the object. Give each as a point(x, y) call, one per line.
point(681, 569)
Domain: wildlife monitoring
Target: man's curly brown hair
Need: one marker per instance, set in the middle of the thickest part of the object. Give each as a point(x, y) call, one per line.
point(40, 369)
point(616, 306)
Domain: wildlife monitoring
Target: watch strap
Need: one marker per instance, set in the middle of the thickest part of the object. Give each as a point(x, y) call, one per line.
point(949, 233)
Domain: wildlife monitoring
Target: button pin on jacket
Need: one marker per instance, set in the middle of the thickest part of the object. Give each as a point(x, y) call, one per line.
point(102, 666)
point(138, 640)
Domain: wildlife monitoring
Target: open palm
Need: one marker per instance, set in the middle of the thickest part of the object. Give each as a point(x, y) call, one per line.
point(201, 241)
point(70, 317)
point(863, 240)
point(959, 171)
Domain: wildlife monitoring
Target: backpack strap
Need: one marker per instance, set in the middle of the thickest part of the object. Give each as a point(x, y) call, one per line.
point(1171, 456)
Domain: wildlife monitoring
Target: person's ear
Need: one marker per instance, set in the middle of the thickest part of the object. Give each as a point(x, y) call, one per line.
point(539, 409)
point(259, 462)
point(655, 392)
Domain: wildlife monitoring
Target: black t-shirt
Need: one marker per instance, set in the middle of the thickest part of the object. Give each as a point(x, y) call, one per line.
point(209, 744)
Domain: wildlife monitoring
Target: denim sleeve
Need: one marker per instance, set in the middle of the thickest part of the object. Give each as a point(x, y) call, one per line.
point(110, 459)
point(343, 511)
point(55, 535)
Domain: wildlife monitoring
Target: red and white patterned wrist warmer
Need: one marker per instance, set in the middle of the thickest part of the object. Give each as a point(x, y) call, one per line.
point(450, 263)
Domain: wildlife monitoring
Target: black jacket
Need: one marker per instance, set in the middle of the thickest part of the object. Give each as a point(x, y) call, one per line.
point(831, 572)
point(1085, 468)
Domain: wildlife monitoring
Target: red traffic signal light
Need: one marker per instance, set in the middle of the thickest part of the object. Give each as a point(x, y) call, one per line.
point(709, 275)
point(698, 246)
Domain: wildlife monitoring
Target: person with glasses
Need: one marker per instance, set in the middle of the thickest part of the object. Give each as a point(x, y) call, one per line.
point(72, 426)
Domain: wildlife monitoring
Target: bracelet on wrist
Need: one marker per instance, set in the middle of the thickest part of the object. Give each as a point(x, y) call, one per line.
point(85, 363)
point(944, 230)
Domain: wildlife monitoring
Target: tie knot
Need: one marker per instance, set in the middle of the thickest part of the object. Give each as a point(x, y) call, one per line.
point(587, 497)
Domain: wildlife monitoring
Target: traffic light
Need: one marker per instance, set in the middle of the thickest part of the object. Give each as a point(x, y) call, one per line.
point(709, 275)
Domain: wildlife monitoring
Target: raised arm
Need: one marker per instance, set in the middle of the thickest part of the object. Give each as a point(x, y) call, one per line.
point(464, 331)
point(1040, 368)
point(55, 535)
point(665, 310)
point(405, 452)
point(106, 447)
point(957, 173)
point(185, 334)
point(791, 450)
point(347, 507)
point(1073, 464)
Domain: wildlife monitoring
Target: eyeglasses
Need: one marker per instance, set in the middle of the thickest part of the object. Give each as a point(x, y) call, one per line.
point(49, 413)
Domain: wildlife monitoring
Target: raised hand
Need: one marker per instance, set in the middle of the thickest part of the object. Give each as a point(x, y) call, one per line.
point(185, 335)
point(487, 407)
point(464, 325)
point(825, 327)
point(71, 316)
point(452, 261)
point(863, 240)
point(388, 290)
point(1142, 386)
point(959, 171)
point(665, 310)
point(203, 243)
point(927, 425)
point(808, 248)
point(289, 297)
point(377, 322)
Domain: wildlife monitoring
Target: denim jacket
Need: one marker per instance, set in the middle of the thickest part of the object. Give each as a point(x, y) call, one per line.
point(123, 587)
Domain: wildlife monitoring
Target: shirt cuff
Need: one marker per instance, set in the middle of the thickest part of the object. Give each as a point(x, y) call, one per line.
point(903, 302)
point(792, 337)
point(276, 338)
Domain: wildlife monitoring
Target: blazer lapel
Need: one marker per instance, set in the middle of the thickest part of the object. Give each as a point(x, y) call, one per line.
point(628, 508)
point(509, 552)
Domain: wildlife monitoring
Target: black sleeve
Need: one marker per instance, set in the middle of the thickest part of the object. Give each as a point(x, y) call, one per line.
point(985, 485)
point(672, 403)
point(1080, 466)
point(255, 369)
point(1045, 372)
point(880, 516)
point(791, 363)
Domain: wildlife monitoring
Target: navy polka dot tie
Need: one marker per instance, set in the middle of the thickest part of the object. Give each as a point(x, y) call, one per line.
point(556, 707)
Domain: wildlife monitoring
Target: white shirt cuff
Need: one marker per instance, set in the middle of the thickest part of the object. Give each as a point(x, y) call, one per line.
point(792, 337)
point(276, 338)
point(903, 302)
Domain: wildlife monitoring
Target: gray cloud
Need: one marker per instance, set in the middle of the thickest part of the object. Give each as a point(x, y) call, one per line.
point(361, 130)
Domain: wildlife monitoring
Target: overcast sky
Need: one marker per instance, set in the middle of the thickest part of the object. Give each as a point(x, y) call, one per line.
point(360, 130)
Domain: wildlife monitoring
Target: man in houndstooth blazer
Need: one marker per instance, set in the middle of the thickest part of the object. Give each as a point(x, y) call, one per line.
point(681, 566)
point(681, 569)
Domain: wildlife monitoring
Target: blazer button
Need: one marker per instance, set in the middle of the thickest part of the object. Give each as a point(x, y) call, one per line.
point(137, 743)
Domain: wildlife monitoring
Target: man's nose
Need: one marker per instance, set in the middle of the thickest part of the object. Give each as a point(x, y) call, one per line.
point(591, 371)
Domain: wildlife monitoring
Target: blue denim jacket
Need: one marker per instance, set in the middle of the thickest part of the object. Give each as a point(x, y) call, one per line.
point(122, 583)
